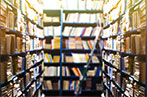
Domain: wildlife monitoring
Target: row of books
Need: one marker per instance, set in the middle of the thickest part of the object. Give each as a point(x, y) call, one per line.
point(71, 71)
point(113, 7)
point(15, 65)
point(131, 19)
point(70, 58)
point(33, 44)
point(81, 18)
point(52, 31)
point(51, 19)
point(113, 30)
point(133, 66)
point(134, 44)
point(112, 43)
point(73, 5)
point(71, 85)
point(34, 30)
point(71, 31)
point(28, 9)
point(11, 44)
point(52, 43)
point(16, 21)
point(78, 43)
point(81, 31)
point(129, 87)
point(137, 45)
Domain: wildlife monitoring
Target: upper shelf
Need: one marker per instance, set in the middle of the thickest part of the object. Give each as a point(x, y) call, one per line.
point(6, 1)
point(132, 7)
point(82, 11)
point(80, 24)
point(51, 23)
point(124, 53)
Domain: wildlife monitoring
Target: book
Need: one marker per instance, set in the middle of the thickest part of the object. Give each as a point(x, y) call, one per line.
point(76, 71)
point(3, 42)
point(48, 58)
point(78, 42)
point(56, 59)
point(65, 85)
point(67, 31)
point(71, 43)
point(11, 17)
point(55, 43)
point(10, 44)
point(3, 71)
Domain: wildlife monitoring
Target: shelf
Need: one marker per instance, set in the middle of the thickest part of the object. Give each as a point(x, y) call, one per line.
point(34, 36)
point(52, 13)
point(35, 65)
point(71, 92)
point(34, 51)
point(111, 36)
point(80, 24)
point(116, 84)
point(10, 31)
point(5, 56)
point(51, 24)
point(125, 74)
point(140, 83)
point(71, 64)
point(55, 78)
point(135, 31)
point(28, 86)
point(31, 6)
point(109, 64)
point(107, 87)
point(108, 25)
point(50, 37)
point(52, 51)
point(38, 87)
point(132, 7)
point(63, 77)
point(7, 2)
point(82, 37)
point(106, 74)
point(39, 74)
point(82, 11)
point(123, 53)
point(110, 50)
point(68, 50)
point(78, 50)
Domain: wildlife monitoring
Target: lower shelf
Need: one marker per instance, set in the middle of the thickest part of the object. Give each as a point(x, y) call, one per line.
point(71, 93)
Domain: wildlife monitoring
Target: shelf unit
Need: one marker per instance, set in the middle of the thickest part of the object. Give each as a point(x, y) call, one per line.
point(109, 63)
point(22, 74)
point(59, 13)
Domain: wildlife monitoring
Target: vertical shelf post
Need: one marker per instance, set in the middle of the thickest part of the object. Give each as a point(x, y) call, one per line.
point(146, 52)
point(61, 24)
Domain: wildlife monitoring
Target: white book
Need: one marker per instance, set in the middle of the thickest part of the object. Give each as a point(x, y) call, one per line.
point(76, 58)
point(88, 31)
point(57, 31)
point(67, 31)
point(85, 44)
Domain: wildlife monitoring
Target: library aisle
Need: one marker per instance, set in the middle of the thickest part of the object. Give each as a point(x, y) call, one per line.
point(71, 48)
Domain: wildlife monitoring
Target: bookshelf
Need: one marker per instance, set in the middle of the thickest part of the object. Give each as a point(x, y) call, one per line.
point(61, 65)
point(24, 60)
point(120, 56)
